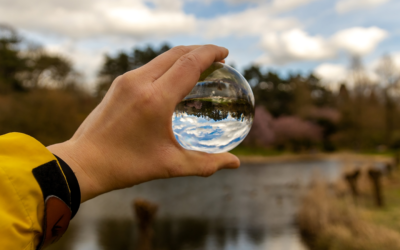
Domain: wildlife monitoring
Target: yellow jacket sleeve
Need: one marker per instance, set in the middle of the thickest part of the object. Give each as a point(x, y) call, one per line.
point(27, 208)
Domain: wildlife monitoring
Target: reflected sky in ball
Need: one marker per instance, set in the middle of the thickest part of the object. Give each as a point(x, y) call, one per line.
point(208, 135)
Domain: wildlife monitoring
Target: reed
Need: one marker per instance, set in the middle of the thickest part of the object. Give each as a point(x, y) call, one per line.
point(329, 219)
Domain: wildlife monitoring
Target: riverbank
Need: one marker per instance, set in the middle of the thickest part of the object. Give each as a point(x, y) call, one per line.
point(345, 157)
point(331, 218)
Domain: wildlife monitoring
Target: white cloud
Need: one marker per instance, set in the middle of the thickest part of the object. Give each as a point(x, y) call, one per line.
point(343, 6)
point(84, 60)
point(174, 5)
point(286, 5)
point(146, 22)
point(274, 5)
point(253, 21)
point(396, 59)
point(91, 18)
point(105, 18)
point(359, 40)
point(297, 45)
point(332, 74)
point(294, 45)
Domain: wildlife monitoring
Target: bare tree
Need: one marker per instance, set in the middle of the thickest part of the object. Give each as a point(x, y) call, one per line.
point(358, 75)
point(390, 79)
point(361, 85)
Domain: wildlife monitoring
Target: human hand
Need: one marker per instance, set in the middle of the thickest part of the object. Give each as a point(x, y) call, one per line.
point(128, 137)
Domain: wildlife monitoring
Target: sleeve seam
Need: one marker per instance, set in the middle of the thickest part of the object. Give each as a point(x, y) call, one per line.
point(65, 177)
point(22, 204)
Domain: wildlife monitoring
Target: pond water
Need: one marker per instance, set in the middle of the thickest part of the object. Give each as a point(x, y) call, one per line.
point(252, 208)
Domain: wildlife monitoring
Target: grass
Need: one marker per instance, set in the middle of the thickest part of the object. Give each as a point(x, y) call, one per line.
point(389, 153)
point(389, 216)
point(329, 219)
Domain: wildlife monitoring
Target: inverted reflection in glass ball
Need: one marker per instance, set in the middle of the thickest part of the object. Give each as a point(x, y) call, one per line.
point(217, 114)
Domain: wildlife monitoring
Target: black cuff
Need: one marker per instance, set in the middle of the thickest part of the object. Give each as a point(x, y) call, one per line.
point(73, 186)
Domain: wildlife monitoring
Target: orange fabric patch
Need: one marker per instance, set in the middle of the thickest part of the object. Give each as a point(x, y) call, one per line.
point(56, 220)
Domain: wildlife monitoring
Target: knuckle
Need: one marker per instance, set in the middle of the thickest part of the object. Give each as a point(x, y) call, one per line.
point(181, 49)
point(118, 78)
point(210, 46)
point(146, 97)
point(122, 83)
point(190, 61)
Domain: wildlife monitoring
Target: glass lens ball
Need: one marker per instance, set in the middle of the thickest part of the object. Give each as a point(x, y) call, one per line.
point(217, 114)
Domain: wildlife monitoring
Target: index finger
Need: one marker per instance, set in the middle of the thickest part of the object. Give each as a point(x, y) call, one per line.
point(180, 79)
point(159, 65)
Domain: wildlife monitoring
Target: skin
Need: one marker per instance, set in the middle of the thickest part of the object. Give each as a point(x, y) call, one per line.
point(128, 139)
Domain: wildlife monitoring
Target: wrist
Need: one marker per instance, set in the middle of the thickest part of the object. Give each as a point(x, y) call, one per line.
point(71, 155)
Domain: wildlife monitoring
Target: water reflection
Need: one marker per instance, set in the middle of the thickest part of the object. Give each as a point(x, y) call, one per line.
point(181, 234)
point(249, 208)
point(116, 234)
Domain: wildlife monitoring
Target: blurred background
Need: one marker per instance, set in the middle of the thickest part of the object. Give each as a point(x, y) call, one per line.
point(319, 167)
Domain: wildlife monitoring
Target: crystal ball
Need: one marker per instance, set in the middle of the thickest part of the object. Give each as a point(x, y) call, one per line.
point(217, 114)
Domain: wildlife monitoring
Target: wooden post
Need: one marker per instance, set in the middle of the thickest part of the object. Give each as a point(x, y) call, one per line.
point(351, 179)
point(396, 159)
point(389, 168)
point(145, 213)
point(375, 176)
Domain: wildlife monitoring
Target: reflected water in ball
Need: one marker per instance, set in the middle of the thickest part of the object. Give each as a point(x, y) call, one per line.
point(217, 114)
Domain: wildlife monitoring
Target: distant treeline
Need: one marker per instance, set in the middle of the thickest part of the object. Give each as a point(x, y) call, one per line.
point(42, 95)
point(364, 117)
point(238, 109)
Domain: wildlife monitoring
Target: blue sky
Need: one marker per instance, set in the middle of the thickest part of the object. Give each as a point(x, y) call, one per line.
point(288, 36)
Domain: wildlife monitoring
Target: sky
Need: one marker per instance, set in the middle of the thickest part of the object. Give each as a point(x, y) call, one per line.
point(287, 36)
point(209, 135)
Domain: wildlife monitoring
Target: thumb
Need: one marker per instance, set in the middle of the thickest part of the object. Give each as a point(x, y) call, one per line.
point(204, 164)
